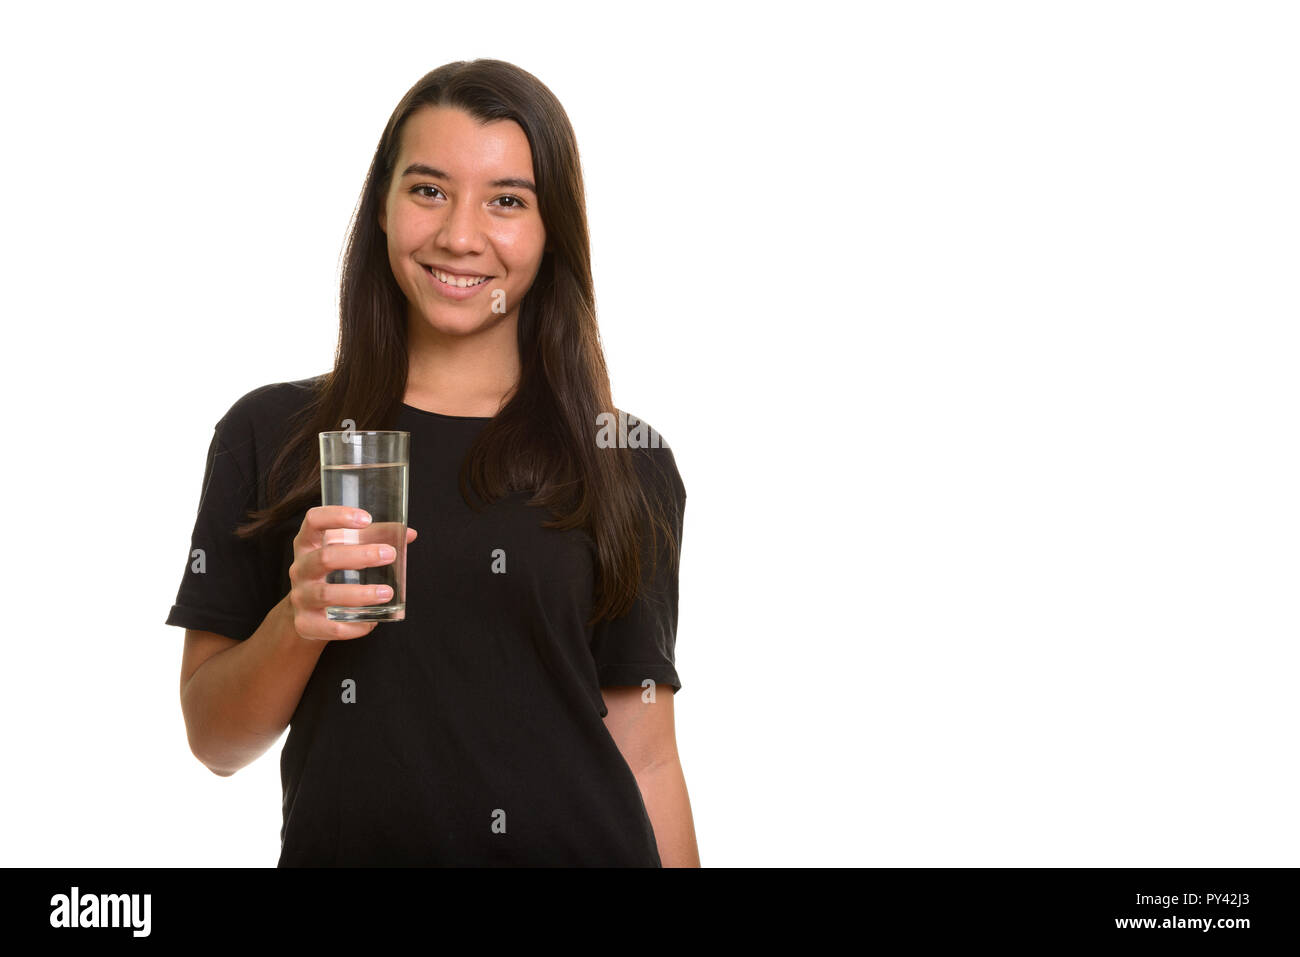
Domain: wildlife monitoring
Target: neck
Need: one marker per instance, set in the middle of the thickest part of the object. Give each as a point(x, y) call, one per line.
point(461, 375)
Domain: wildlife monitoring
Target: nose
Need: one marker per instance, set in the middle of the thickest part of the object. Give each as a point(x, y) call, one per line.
point(461, 231)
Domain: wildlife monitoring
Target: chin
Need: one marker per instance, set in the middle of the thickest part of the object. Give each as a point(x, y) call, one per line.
point(456, 325)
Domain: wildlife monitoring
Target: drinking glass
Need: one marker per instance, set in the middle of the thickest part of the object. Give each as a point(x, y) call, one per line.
point(368, 470)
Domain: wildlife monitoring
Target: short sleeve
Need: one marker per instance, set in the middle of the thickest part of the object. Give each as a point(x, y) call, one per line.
point(642, 643)
point(222, 586)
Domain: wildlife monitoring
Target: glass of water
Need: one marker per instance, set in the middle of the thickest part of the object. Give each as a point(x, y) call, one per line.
point(367, 470)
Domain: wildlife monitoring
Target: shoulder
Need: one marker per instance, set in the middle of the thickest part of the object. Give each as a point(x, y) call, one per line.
point(653, 457)
point(268, 404)
point(260, 420)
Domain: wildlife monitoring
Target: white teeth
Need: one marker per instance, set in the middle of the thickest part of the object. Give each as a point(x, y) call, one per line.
point(458, 282)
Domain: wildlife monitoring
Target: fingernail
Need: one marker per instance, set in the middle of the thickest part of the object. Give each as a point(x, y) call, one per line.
point(362, 517)
point(387, 551)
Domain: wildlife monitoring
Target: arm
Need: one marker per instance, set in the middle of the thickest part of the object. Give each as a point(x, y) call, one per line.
point(238, 696)
point(645, 735)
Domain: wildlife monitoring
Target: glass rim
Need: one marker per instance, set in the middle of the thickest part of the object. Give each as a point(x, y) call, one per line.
point(363, 432)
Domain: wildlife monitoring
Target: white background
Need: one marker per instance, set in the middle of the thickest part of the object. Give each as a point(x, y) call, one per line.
point(971, 326)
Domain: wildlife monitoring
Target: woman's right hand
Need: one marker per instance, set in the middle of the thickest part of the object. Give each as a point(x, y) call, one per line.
point(311, 594)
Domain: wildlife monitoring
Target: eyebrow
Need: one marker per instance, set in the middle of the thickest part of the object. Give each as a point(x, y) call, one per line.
point(422, 170)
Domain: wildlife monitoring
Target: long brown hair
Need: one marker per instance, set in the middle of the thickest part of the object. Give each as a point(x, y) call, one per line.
point(544, 438)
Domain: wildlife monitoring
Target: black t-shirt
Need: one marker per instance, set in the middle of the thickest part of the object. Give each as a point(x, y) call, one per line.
point(472, 732)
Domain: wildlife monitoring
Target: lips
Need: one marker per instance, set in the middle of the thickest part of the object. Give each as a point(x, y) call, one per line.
point(453, 284)
point(453, 290)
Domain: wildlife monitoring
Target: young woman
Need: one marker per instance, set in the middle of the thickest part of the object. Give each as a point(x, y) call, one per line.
point(522, 714)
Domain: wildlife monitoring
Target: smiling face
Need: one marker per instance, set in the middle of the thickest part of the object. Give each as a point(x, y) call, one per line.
point(462, 205)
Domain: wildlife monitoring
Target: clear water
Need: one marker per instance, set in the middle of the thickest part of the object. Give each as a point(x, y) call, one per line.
point(380, 489)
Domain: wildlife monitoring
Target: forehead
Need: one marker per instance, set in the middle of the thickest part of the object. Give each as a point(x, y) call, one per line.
point(452, 140)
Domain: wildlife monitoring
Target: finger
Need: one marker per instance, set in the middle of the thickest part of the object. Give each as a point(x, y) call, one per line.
point(334, 556)
point(322, 518)
point(326, 595)
point(410, 535)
